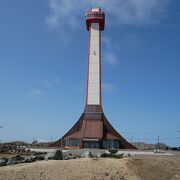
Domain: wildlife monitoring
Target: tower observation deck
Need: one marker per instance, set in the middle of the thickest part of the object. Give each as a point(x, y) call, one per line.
point(93, 130)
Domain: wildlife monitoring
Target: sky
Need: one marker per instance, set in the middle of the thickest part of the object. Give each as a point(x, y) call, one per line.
point(43, 61)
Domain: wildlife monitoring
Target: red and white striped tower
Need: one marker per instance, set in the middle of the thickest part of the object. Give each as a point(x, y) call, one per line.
point(95, 24)
point(93, 130)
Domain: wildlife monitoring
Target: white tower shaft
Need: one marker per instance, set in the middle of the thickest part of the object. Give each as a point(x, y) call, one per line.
point(94, 66)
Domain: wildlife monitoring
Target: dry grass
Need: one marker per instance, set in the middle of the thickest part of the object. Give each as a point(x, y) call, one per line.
point(136, 168)
point(157, 167)
point(7, 155)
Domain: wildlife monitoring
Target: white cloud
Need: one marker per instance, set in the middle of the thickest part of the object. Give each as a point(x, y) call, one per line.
point(107, 41)
point(54, 82)
point(44, 86)
point(131, 41)
point(136, 12)
point(108, 88)
point(65, 13)
point(110, 58)
point(35, 92)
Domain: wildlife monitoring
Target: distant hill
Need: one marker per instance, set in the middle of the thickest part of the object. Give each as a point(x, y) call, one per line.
point(16, 143)
point(145, 146)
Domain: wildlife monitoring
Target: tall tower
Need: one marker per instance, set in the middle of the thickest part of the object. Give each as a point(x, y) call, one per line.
point(95, 24)
point(93, 130)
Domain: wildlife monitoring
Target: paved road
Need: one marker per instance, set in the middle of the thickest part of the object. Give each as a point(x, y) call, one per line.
point(95, 151)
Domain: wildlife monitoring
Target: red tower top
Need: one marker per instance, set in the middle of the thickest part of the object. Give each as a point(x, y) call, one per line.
point(95, 15)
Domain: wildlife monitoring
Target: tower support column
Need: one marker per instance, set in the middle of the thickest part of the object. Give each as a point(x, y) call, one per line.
point(93, 95)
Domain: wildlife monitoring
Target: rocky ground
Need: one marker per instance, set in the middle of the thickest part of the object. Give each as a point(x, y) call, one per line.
point(10, 155)
point(131, 168)
point(21, 163)
point(23, 155)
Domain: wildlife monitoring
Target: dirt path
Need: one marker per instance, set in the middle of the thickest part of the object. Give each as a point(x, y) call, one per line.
point(79, 169)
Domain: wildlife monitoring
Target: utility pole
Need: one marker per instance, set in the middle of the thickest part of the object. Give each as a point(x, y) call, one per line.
point(158, 141)
point(1, 128)
point(61, 144)
point(51, 139)
point(131, 139)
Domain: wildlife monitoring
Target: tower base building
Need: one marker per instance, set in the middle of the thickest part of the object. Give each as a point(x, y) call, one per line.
point(93, 130)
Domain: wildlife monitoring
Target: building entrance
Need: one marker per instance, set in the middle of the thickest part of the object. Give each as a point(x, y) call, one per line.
point(90, 144)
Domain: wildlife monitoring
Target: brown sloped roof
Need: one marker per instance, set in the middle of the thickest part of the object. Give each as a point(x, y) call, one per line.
point(93, 129)
point(108, 128)
point(93, 125)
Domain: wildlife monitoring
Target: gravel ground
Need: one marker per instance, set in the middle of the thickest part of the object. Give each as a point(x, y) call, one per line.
point(143, 167)
point(78, 169)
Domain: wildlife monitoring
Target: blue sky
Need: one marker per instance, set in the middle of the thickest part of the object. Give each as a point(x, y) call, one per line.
point(43, 60)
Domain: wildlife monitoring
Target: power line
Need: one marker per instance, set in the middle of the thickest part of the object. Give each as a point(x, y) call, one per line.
point(151, 132)
point(147, 139)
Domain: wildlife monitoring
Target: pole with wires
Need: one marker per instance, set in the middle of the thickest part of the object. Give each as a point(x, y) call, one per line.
point(1, 128)
point(158, 142)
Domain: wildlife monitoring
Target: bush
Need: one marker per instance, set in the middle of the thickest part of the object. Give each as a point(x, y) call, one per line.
point(58, 155)
point(113, 151)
